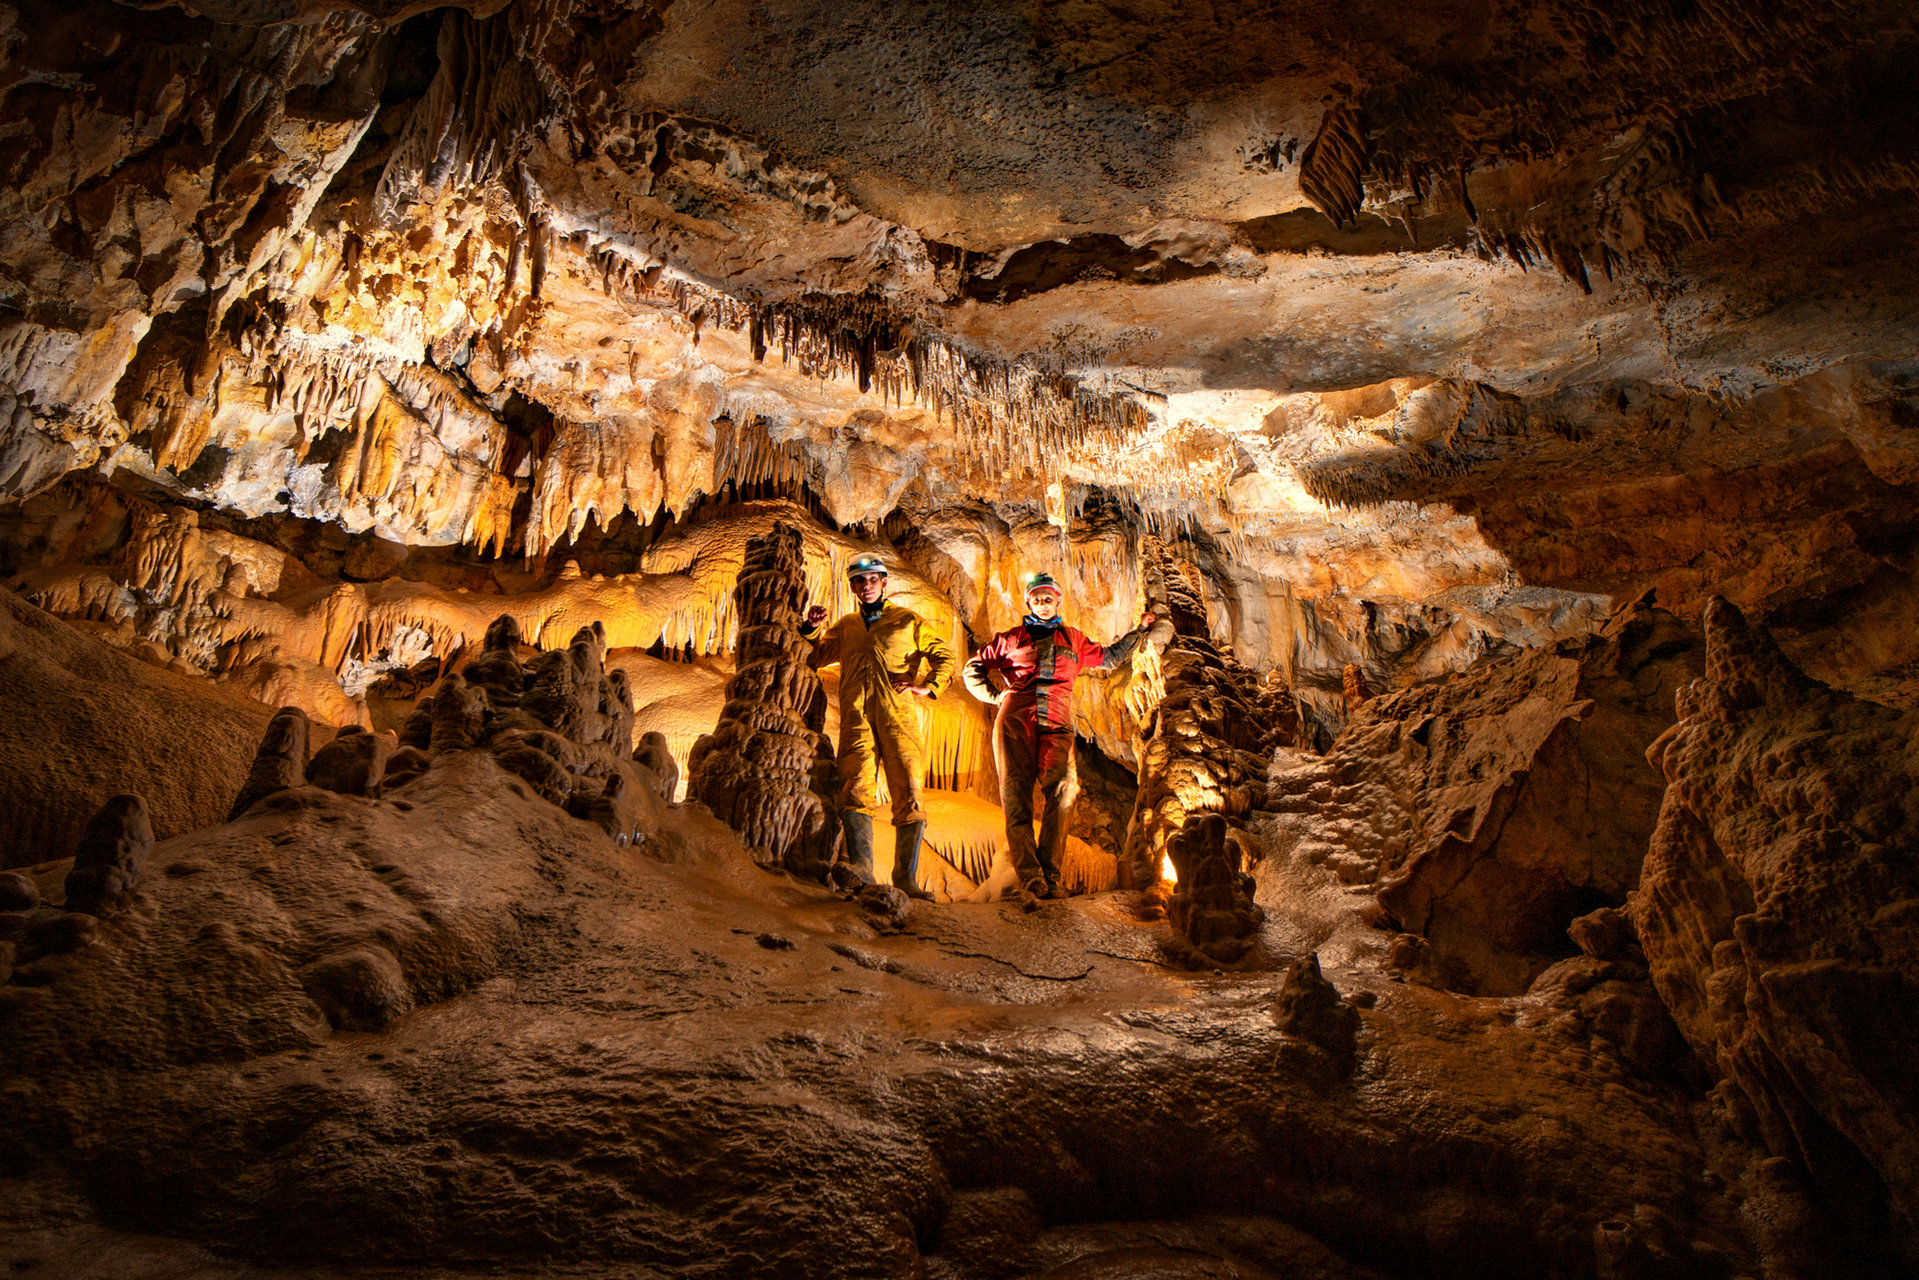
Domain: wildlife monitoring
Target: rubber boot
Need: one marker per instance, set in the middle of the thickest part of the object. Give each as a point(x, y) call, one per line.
point(906, 860)
point(859, 840)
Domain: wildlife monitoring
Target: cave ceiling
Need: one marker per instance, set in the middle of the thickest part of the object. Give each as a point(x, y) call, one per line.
point(1375, 300)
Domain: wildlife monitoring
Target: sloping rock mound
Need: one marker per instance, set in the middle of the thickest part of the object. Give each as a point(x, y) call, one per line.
point(454, 1027)
point(80, 722)
point(1491, 810)
point(1780, 910)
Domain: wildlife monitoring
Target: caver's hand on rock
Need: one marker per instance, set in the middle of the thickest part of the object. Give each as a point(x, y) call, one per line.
point(816, 616)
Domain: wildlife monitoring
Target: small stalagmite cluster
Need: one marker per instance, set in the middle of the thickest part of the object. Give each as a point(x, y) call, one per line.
point(766, 770)
point(560, 722)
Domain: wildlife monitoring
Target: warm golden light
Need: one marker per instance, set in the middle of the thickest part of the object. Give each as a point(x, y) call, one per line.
point(1167, 872)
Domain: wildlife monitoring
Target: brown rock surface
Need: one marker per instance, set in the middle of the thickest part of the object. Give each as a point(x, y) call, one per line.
point(338, 1006)
point(432, 372)
point(80, 722)
point(1779, 909)
point(1489, 811)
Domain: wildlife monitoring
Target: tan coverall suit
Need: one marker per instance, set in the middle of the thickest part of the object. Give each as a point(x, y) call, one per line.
point(878, 724)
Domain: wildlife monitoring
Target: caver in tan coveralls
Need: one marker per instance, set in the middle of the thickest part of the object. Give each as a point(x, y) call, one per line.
point(879, 727)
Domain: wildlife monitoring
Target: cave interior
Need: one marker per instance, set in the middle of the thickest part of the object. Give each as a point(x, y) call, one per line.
point(1484, 435)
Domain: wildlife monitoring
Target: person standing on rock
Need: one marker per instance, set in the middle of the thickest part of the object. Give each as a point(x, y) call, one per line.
point(1033, 733)
point(888, 656)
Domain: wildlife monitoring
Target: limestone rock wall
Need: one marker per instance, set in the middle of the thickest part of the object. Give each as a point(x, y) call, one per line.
point(1489, 811)
point(1791, 502)
point(1779, 909)
point(80, 721)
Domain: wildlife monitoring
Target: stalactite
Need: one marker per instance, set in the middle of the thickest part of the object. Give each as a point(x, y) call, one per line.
point(1334, 162)
point(1010, 415)
point(970, 858)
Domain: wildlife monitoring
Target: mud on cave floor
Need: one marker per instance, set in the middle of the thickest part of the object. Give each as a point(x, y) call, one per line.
point(665, 1061)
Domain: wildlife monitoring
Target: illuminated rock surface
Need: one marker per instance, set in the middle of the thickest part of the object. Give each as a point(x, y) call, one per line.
point(405, 390)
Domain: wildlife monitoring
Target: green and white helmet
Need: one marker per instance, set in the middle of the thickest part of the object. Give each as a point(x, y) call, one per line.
point(1043, 582)
point(866, 564)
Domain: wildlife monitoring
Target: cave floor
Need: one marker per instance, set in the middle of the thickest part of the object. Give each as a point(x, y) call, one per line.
point(663, 1060)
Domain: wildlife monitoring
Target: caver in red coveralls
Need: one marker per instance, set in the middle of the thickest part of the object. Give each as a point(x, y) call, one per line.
point(1033, 734)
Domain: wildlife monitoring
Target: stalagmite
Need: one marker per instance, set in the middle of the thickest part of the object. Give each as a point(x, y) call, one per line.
point(1201, 742)
point(353, 764)
point(1212, 912)
point(281, 761)
point(416, 734)
point(1309, 1007)
point(655, 754)
point(564, 689)
point(1201, 763)
point(757, 770)
point(112, 854)
point(497, 669)
point(458, 716)
point(537, 758)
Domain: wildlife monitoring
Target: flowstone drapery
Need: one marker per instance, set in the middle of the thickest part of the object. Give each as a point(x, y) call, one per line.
point(766, 770)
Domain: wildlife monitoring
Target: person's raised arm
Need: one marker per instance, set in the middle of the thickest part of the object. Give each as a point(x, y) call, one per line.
point(1106, 657)
point(826, 645)
point(991, 657)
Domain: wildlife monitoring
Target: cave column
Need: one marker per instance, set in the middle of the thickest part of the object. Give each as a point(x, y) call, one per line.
point(766, 770)
point(1200, 757)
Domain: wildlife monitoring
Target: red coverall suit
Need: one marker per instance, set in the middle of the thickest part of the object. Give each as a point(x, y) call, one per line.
point(1033, 735)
